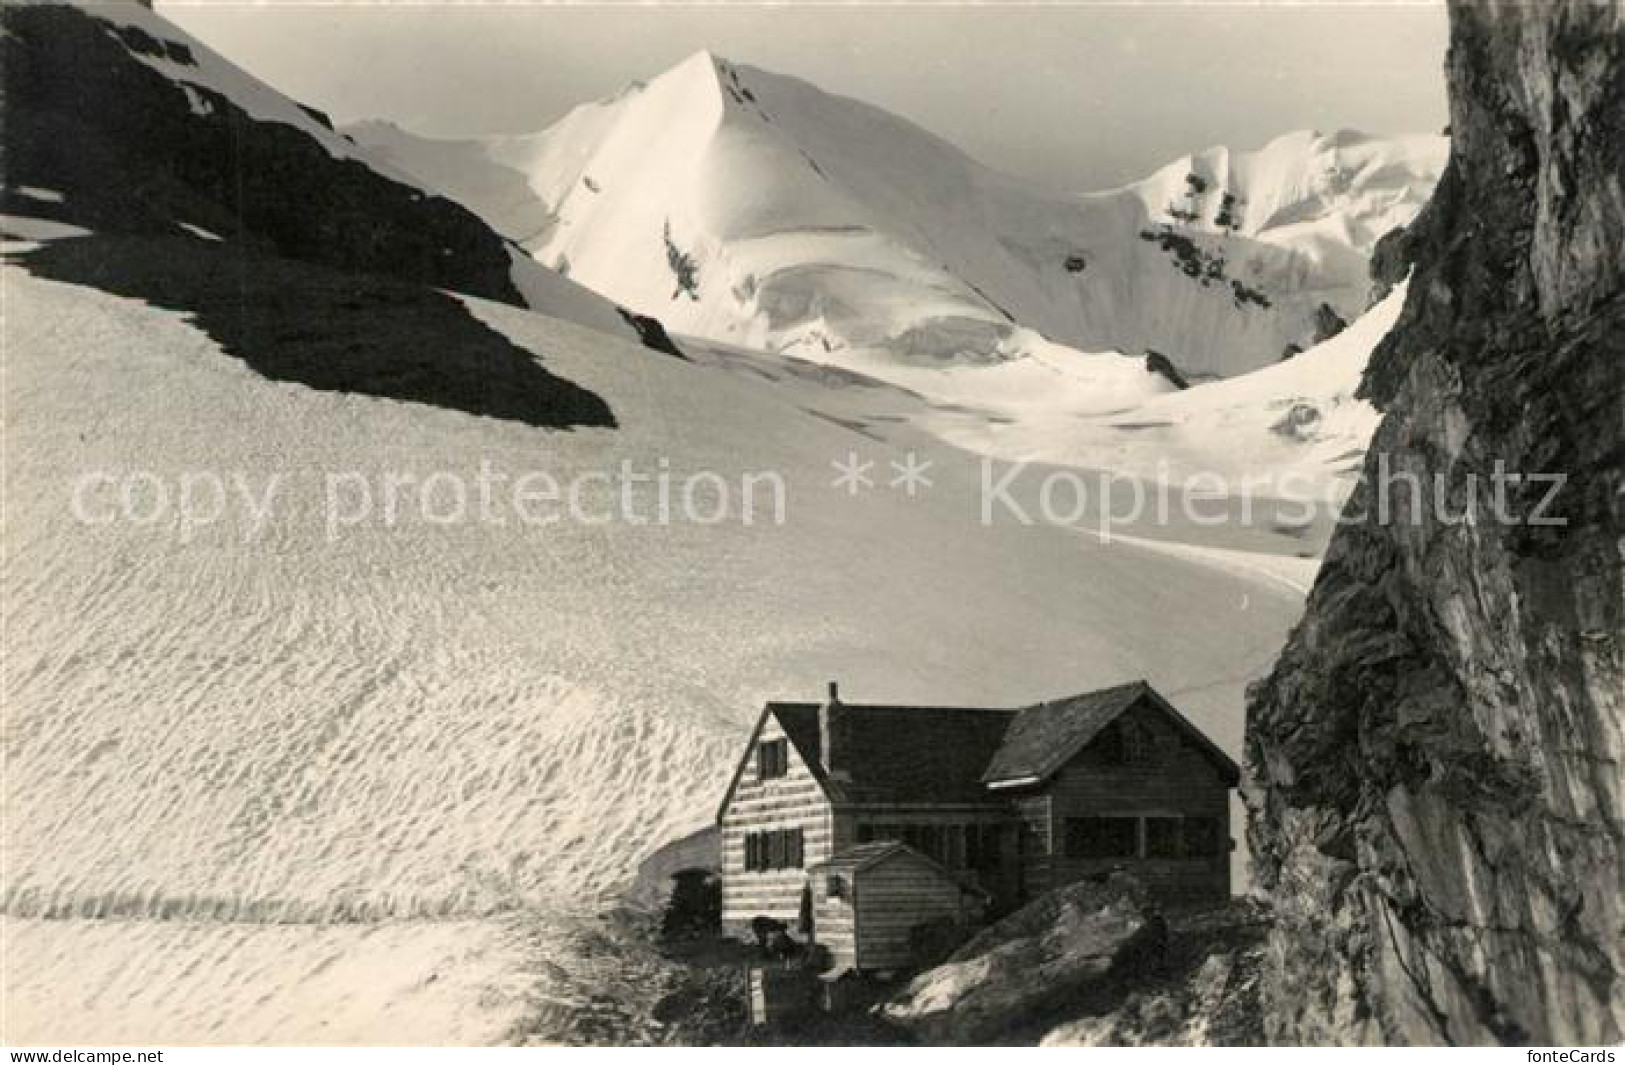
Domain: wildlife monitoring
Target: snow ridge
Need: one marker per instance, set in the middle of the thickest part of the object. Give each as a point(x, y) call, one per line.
point(750, 208)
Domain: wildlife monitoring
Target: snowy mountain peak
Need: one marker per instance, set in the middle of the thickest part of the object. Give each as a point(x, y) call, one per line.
point(695, 83)
point(1361, 184)
point(755, 209)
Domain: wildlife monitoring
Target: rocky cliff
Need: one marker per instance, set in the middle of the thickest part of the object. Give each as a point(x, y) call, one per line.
point(1434, 763)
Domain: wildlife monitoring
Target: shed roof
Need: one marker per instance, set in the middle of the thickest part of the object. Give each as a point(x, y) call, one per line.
point(864, 856)
point(1046, 736)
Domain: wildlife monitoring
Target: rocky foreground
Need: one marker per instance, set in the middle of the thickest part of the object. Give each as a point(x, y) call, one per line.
point(1094, 964)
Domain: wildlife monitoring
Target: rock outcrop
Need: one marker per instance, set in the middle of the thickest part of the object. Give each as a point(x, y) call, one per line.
point(1037, 960)
point(1434, 764)
point(100, 111)
point(1206, 993)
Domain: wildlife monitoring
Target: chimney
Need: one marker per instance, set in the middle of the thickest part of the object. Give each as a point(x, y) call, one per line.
point(832, 735)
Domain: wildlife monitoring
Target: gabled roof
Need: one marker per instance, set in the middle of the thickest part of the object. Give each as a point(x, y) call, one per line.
point(902, 754)
point(954, 755)
point(906, 755)
point(1046, 736)
point(867, 855)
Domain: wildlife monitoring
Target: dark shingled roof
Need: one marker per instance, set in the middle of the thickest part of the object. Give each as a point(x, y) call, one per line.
point(1045, 737)
point(863, 854)
point(903, 754)
point(949, 755)
point(1047, 734)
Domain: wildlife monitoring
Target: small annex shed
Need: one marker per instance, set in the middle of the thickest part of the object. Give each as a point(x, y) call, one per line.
point(868, 900)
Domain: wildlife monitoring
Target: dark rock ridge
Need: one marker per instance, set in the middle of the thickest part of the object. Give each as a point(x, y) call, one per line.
point(145, 162)
point(1434, 764)
point(652, 332)
point(1390, 262)
point(125, 145)
point(1158, 363)
point(330, 330)
point(1328, 323)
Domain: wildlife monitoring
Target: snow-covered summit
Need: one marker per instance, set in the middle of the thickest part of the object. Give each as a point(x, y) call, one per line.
point(752, 208)
point(1330, 197)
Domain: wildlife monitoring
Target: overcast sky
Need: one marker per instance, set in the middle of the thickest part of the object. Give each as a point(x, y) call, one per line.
point(1082, 96)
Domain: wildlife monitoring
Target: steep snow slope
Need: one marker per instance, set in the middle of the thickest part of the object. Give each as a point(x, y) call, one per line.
point(455, 695)
point(255, 764)
point(185, 983)
point(755, 209)
point(137, 127)
point(415, 720)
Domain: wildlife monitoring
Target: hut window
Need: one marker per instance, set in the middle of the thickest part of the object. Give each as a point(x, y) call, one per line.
point(779, 848)
point(1102, 837)
point(930, 843)
point(1128, 743)
point(1204, 837)
point(1111, 744)
point(1139, 743)
point(982, 846)
point(772, 758)
point(835, 887)
point(1164, 837)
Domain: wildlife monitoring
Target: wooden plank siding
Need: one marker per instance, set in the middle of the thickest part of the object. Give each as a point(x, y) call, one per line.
point(1033, 845)
point(997, 878)
point(871, 928)
point(834, 924)
point(1178, 781)
point(794, 800)
point(1141, 762)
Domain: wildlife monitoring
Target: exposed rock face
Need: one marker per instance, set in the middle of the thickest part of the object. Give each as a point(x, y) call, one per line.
point(1435, 776)
point(206, 192)
point(1157, 362)
point(133, 149)
point(1390, 262)
point(1032, 962)
point(1205, 995)
point(1328, 323)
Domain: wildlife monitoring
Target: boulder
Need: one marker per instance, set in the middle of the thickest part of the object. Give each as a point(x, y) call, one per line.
point(1033, 962)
